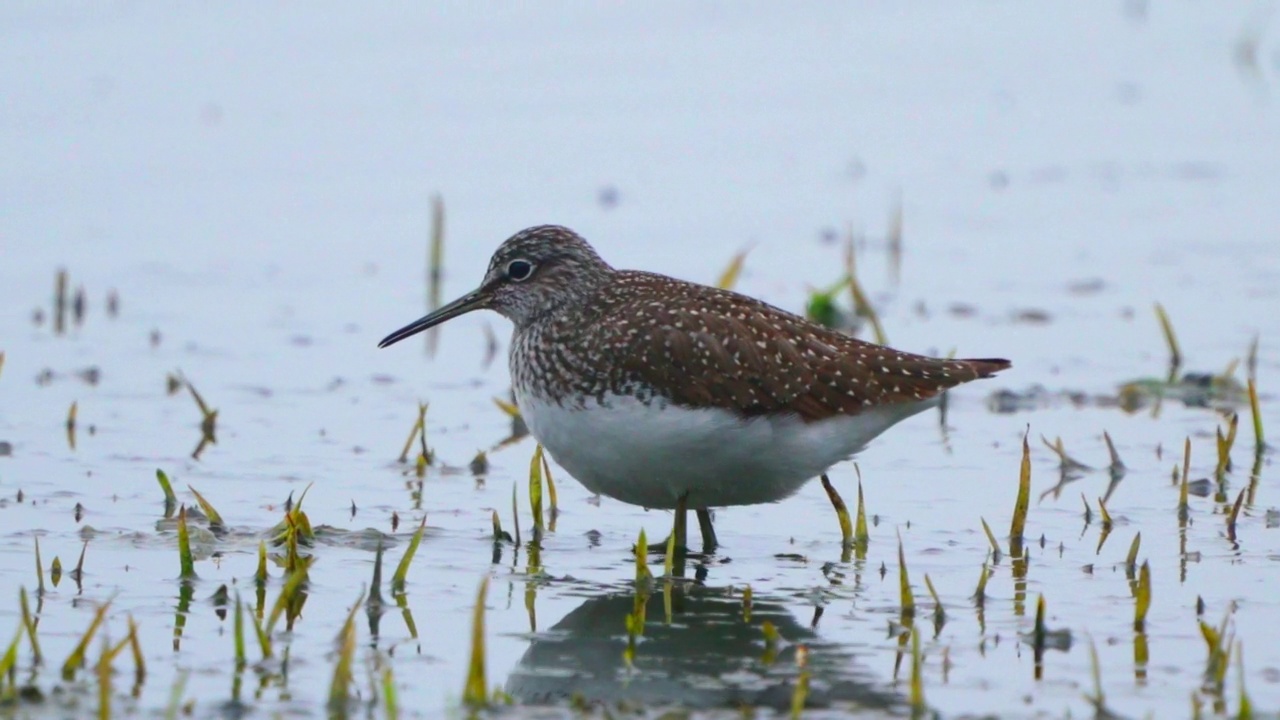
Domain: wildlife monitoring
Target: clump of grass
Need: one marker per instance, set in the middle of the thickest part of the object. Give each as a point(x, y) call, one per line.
point(1018, 526)
point(729, 277)
point(842, 512)
point(402, 570)
point(801, 692)
point(474, 691)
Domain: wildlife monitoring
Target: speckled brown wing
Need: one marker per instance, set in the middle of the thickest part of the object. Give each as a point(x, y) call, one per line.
point(712, 348)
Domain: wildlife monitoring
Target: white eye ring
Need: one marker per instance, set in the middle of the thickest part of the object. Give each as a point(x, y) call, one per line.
point(519, 270)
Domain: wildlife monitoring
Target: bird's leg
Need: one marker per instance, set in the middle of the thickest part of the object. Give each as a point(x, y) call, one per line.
point(681, 528)
point(709, 542)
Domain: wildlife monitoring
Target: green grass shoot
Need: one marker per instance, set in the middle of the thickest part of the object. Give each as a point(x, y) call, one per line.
point(55, 571)
point(669, 559)
point(746, 604)
point(1234, 515)
point(509, 408)
point(135, 647)
point(287, 592)
point(71, 426)
point(991, 538)
point(861, 536)
point(1225, 441)
point(419, 428)
point(173, 709)
point(643, 575)
point(435, 266)
point(208, 416)
point(980, 594)
point(390, 703)
point(343, 673)
point(76, 659)
point(104, 681)
point(215, 518)
point(1131, 560)
point(772, 639)
point(939, 613)
point(551, 489)
point(1142, 599)
point(264, 640)
point(499, 535)
point(842, 511)
point(1038, 635)
point(906, 598)
point(238, 634)
point(1088, 511)
point(1106, 516)
point(186, 562)
point(29, 622)
point(39, 570)
point(402, 570)
point(515, 513)
point(9, 661)
point(729, 277)
point(1184, 493)
point(1245, 712)
point(1170, 340)
point(475, 691)
point(861, 305)
point(1019, 524)
point(800, 695)
point(170, 498)
point(1117, 465)
point(260, 574)
point(535, 493)
point(1098, 699)
point(1259, 442)
point(918, 707)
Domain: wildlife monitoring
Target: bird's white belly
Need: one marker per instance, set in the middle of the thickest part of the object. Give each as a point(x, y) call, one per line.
point(650, 455)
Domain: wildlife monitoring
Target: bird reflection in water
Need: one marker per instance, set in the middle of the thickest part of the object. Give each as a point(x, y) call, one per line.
point(708, 657)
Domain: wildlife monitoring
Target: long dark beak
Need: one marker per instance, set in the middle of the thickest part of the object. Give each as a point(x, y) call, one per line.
point(475, 300)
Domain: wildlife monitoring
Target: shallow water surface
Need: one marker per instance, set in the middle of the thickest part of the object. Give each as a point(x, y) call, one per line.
point(253, 183)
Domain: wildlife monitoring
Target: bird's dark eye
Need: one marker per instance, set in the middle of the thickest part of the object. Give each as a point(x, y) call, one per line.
point(519, 270)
